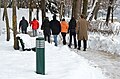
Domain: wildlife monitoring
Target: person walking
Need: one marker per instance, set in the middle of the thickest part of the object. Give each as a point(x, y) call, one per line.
point(82, 27)
point(64, 30)
point(55, 28)
point(23, 25)
point(46, 29)
point(72, 32)
point(35, 26)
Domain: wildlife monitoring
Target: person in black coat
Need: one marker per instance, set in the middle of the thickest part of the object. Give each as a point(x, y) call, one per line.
point(72, 32)
point(46, 29)
point(56, 28)
point(23, 25)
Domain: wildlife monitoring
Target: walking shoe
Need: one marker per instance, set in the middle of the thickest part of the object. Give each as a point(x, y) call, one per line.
point(75, 47)
point(69, 46)
point(84, 50)
point(78, 48)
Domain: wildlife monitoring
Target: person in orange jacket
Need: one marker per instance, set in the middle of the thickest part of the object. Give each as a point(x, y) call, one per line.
point(64, 30)
point(35, 26)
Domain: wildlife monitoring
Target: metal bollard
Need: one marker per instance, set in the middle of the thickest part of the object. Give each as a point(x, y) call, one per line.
point(40, 56)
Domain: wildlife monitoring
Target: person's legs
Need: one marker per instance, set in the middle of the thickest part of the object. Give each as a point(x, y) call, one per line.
point(70, 40)
point(22, 30)
point(49, 38)
point(85, 44)
point(75, 41)
point(33, 33)
point(79, 44)
point(64, 38)
point(55, 39)
point(26, 31)
point(45, 37)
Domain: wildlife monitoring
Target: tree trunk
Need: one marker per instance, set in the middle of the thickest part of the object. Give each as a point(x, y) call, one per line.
point(73, 7)
point(7, 21)
point(74, 10)
point(108, 14)
point(43, 9)
point(109, 10)
point(112, 15)
point(37, 15)
point(0, 16)
point(3, 17)
point(84, 10)
point(61, 9)
point(14, 17)
point(30, 10)
point(95, 10)
point(93, 2)
point(78, 8)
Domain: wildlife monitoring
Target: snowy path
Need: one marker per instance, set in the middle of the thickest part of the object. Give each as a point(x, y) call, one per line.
point(110, 64)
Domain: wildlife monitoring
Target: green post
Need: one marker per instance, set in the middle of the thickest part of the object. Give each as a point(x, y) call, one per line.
point(40, 55)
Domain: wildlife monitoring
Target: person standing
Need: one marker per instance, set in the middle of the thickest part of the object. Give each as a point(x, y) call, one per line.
point(55, 28)
point(82, 27)
point(35, 26)
point(72, 31)
point(64, 30)
point(46, 29)
point(23, 25)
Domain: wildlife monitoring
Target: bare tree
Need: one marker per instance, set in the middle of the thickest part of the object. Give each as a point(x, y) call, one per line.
point(7, 21)
point(30, 10)
point(43, 2)
point(85, 4)
point(74, 6)
point(14, 17)
point(78, 8)
point(95, 10)
point(110, 7)
point(61, 9)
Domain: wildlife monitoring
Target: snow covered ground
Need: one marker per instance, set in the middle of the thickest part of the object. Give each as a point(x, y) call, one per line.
point(60, 63)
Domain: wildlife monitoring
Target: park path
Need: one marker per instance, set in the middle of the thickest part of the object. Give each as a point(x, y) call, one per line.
point(109, 63)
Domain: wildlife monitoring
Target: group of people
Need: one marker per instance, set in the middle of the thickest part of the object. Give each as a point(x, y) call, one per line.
point(77, 30)
point(24, 24)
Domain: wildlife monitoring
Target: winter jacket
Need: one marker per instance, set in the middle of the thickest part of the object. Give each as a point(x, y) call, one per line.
point(35, 24)
point(55, 26)
point(46, 27)
point(64, 26)
point(82, 27)
point(72, 25)
point(23, 24)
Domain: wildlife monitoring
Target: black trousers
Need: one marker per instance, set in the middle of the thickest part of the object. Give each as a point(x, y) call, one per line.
point(84, 44)
point(74, 37)
point(24, 31)
point(64, 37)
point(47, 38)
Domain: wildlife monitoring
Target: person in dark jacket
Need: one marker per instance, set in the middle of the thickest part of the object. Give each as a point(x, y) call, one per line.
point(46, 29)
point(23, 25)
point(72, 32)
point(56, 28)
